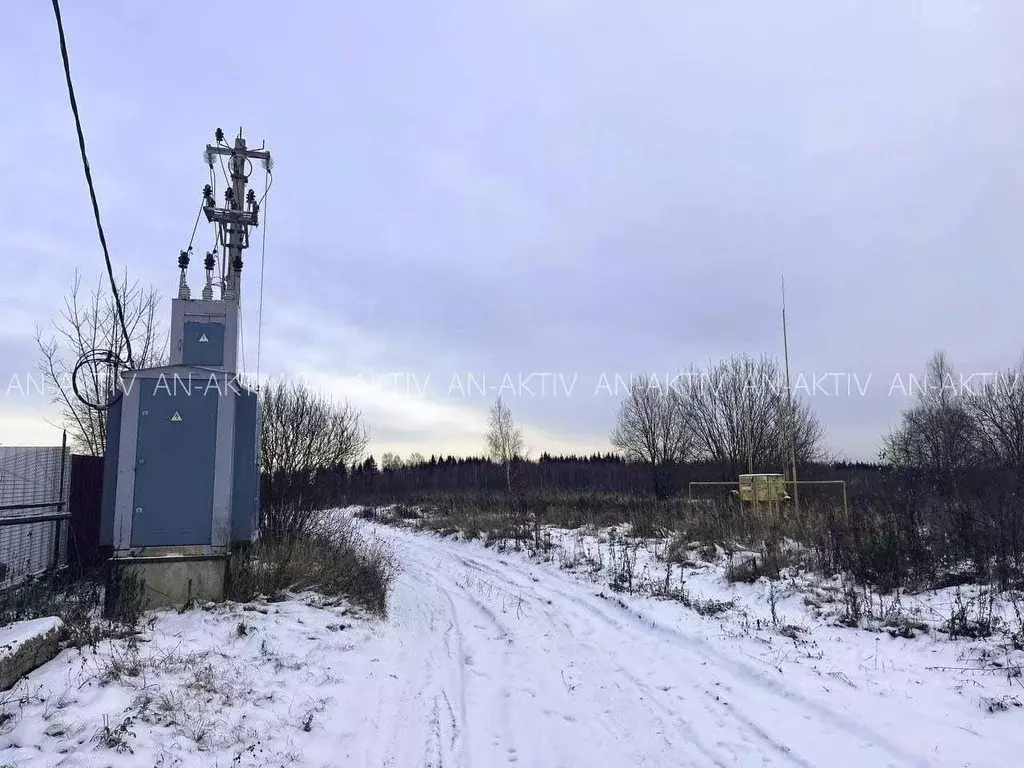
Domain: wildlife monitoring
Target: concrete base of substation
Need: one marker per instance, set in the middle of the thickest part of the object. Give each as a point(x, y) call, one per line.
point(169, 581)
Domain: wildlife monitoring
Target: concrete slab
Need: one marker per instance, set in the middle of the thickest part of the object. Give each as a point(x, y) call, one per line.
point(26, 645)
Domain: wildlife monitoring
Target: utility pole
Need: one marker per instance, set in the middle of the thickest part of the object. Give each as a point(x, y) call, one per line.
point(791, 416)
point(240, 211)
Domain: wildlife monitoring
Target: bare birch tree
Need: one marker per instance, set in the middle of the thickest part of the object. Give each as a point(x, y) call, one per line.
point(651, 428)
point(504, 441)
point(89, 323)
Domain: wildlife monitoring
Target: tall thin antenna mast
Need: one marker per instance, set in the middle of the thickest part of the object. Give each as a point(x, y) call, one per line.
point(791, 416)
point(750, 438)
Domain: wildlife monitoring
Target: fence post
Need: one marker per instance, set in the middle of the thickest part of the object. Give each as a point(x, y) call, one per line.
point(63, 500)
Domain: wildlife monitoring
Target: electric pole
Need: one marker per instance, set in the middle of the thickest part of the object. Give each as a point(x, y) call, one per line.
point(240, 211)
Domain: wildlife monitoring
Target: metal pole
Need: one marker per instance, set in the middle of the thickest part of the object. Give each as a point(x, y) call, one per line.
point(750, 440)
point(753, 494)
point(791, 420)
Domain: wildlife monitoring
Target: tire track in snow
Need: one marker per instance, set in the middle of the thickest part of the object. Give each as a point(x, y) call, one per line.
point(453, 664)
point(597, 606)
point(450, 588)
point(406, 679)
point(700, 651)
point(420, 714)
point(692, 740)
point(643, 689)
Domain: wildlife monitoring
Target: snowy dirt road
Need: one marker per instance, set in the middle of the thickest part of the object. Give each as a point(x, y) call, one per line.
point(491, 660)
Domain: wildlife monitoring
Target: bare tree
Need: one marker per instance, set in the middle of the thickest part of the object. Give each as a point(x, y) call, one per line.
point(504, 440)
point(389, 460)
point(997, 408)
point(306, 442)
point(740, 417)
point(88, 324)
point(651, 428)
point(939, 432)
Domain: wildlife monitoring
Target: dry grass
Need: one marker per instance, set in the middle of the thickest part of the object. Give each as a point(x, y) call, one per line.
point(335, 560)
point(889, 539)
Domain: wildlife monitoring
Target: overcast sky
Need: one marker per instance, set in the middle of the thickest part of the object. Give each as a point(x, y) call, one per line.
point(569, 188)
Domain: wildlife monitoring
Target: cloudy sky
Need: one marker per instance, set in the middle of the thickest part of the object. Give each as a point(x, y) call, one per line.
point(467, 193)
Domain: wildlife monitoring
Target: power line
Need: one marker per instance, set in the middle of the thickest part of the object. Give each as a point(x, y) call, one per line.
point(194, 228)
point(88, 179)
point(268, 181)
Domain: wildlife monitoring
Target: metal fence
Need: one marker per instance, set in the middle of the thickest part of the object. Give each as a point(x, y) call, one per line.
point(33, 511)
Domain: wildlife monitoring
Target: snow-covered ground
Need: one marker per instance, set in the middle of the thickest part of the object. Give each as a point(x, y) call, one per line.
point(489, 658)
point(263, 684)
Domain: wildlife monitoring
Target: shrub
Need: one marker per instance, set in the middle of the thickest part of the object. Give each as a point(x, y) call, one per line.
point(746, 569)
point(971, 619)
point(116, 737)
point(709, 606)
point(853, 609)
point(404, 512)
point(334, 560)
point(676, 551)
point(52, 594)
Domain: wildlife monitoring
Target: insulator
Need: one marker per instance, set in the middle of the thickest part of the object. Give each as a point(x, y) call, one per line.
point(209, 261)
point(251, 197)
point(208, 194)
point(229, 194)
point(236, 263)
point(219, 135)
point(183, 260)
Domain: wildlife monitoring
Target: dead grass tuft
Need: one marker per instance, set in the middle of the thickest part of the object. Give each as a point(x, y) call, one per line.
point(335, 560)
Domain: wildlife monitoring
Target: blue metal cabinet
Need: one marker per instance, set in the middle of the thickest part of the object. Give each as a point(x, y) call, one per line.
point(174, 471)
point(203, 344)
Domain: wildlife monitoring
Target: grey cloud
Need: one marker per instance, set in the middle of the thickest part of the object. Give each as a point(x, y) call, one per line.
point(575, 187)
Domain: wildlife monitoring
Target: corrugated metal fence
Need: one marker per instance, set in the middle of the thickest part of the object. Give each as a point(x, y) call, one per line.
point(33, 511)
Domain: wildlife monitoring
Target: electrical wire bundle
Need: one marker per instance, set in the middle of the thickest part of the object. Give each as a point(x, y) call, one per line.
point(95, 356)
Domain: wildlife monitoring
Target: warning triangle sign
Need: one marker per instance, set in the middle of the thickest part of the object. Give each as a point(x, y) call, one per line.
point(176, 416)
point(203, 339)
